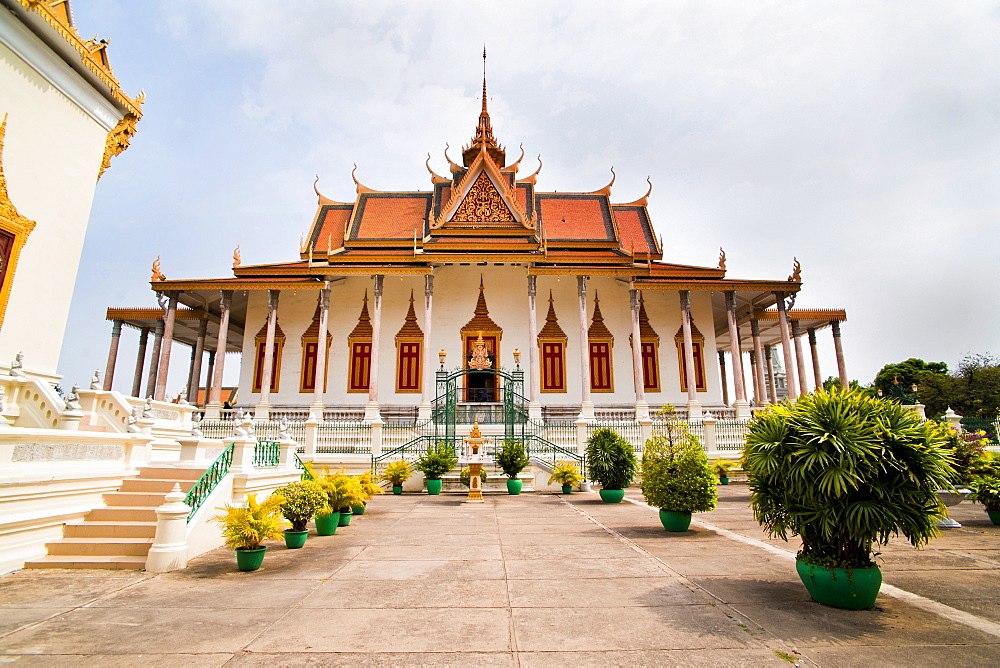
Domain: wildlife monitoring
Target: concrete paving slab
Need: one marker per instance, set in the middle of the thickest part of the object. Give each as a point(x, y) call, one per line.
point(20, 590)
point(903, 656)
point(752, 590)
point(710, 564)
point(549, 552)
point(405, 630)
point(206, 660)
point(13, 618)
point(669, 657)
point(170, 591)
point(456, 551)
point(424, 569)
point(414, 593)
point(619, 628)
point(142, 631)
point(625, 592)
point(375, 659)
point(575, 569)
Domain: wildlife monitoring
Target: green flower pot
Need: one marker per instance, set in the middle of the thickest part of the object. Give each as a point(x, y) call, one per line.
point(250, 560)
point(397, 489)
point(295, 539)
point(358, 510)
point(514, 486)
point(434, 486)
point(612, 495)
point(848, 588)
point(567, 489)
point(326, 525)
point(994, 516)
point(723, 481)
point(345, 518)
point(675, 520)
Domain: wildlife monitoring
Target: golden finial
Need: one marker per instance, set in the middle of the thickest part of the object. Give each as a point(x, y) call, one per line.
point(157, 274)
point(435, 178)
point(236, 257)
point(517, 163)
point(796, 276)
point(475, 433)
point(722, 259)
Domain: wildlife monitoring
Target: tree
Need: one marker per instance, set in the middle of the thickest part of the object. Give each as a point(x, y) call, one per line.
point(906, 373)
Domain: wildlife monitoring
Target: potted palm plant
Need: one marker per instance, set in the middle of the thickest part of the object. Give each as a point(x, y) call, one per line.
point(845, 472)
point(567, 475)
point(396, 474)
point(349, 494)
point(244, 528)
point(369, 487)
point(434, 463)
point(722, 468)
point(303, 500)
point(986, 490)
point(328, 519)
point(611, 461)
point(512, 459)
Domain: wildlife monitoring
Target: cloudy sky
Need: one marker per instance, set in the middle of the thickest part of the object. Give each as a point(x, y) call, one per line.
point(861, 137)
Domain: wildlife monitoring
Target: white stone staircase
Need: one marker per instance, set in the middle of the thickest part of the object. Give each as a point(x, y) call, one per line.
point(118, 535)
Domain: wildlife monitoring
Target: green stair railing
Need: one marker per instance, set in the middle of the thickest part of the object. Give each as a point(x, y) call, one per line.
point(300, 465)
point(209, 480)
point(267, 453)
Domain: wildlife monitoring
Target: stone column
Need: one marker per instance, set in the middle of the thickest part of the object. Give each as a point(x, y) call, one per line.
point(817, 376)
point(199, 354)
point(372, 413)
point(209, 375)
point(168, 335)
point(772, 388)
point(427, 383)
point(116, 335)
point(800, 359)
point(760, 381)
point(319, 385)
point(841, 367)
point(140, 361)
point(262, 411)
point(534, 366)
point(722, 376)
point(154, 359)
point(190, 376)
point(641, 407)
point(741, 404)
point(786, 347)
point(586, 405)
point(757, 396)
point(215, 390)
point(694, 407)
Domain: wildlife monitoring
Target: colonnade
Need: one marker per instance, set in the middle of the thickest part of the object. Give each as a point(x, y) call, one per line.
point(760, 355)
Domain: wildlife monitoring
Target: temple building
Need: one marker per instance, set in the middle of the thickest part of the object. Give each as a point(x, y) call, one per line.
point(486, 279)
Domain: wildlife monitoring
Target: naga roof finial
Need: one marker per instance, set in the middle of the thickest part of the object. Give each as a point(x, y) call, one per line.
point(722, 259)
point(796, 276)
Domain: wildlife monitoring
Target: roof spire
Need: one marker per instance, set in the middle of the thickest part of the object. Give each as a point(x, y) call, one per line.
point(483, 139)
point(484, 112)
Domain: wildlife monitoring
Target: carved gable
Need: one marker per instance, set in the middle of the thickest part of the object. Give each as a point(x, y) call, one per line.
point(483, 204)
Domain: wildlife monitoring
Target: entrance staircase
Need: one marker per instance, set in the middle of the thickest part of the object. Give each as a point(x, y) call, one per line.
point(119, 535)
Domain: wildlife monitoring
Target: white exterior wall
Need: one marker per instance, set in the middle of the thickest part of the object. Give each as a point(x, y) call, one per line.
point(456, 290)
point(57, 125)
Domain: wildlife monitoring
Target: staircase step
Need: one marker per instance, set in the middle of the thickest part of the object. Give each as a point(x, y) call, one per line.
point(159, 485)
point(110, 530)
point(92, 562)
point(170, 473)
point(122, 514)
point(99, 547)
point(139, 499)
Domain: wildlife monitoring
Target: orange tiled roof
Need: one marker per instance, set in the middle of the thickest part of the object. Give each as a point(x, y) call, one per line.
point(390, 215)
point(332, 223)
point(633, 230)
point(577, 217)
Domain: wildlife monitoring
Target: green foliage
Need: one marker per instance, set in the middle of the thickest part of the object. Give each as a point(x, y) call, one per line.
point(246, 527)
point(436, 461)
point(968, 455)
point(973, 390)
point(303, 500)
point(342, 491)
point(986, 491)
point(907, 373)
point(611, 459)
point(723, 467)
point(465, 477)
point(845, 471)
point(369, 484)
point(511, 458)
point(566, 474)
point(396, 473)
point(676, 475)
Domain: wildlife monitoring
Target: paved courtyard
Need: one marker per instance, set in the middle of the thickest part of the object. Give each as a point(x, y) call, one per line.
point(535, 580)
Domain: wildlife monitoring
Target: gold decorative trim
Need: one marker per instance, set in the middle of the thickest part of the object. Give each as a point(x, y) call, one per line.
point(12, 223)
point(120, 137)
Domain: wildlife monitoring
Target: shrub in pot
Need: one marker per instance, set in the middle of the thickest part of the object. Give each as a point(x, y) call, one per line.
point(396, 474)
point(986, 490)
point(244, 528)
point(566, 474)
point(676, 476)
point(349, 494)
point(512, 459)
point(369, 487)
point(303, 500)
point(845, 472)
point(435, 462)
point(611, 461)
point(722, 468)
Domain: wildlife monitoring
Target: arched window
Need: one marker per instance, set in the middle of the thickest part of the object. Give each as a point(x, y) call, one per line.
point(258, 366)
point(698, 346)
point(310, 353)
point(649, 341)
point(600, 342)
point(409, 352)
point(552, 349)
point(359, 344)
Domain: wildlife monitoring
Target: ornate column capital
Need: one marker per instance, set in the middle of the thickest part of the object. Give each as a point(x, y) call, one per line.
point(272, 300)
point(581, 286)
point(685, 296)
point(379, 279)
point(225, 299)
point(532, 285)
